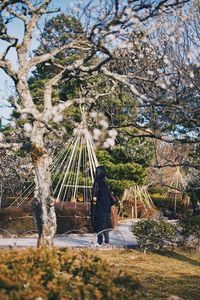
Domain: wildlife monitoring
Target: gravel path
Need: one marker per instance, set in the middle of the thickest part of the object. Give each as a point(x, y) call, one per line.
point(120, 237)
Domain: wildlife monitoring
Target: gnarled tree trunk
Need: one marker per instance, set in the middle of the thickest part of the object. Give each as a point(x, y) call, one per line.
point(46, 218)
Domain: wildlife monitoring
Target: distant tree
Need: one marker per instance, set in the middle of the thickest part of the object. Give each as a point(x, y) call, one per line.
point(123, 172)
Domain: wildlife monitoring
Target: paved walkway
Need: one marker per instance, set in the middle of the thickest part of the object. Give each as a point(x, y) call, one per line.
point(120, 237)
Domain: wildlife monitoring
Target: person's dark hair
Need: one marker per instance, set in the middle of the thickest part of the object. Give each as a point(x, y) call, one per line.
point(100, 172)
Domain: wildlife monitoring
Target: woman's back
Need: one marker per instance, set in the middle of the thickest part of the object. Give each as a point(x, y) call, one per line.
point(103, 203)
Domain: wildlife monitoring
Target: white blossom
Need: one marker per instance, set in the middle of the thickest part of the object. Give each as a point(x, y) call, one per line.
point(128, 11)
point(101, 115)
point(61, 106)
point(1, 137)
point(135, 20)
point(96, 30)
point(167, 81)
point(87, 134)
point(58, 118)
point(28, 127)
point(106, 145)
point(47, 115)
point(166, 60)
point(15, 148)
point(191, 74)
point(109, 142)
point(103, 123)
point(112, 133)
point(96, 134)
point(149, 72)
point(93, 114)
point(54, 110)
point(143, 97)
point(190, 54)
point(24, 116)
point(162, 85)
point(144, 39)
point(111, 37)
point(172, 39)
point(13, 124)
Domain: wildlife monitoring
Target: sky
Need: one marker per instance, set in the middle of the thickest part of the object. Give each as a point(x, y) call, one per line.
point(6, 84)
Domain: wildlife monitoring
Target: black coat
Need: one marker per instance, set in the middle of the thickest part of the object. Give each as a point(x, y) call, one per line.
point(101, 205)
point(103, 198)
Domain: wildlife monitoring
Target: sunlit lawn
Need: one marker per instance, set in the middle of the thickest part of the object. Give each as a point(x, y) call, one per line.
point(165, 275)
point(161, 275)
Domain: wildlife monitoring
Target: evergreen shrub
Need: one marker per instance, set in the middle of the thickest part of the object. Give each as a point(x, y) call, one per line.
point(61, 274)
point(190, 231)
point(154, 235)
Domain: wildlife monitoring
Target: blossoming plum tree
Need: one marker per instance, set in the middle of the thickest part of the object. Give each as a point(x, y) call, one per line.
point(108, 25)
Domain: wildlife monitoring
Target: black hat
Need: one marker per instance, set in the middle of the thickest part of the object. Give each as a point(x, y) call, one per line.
point(100, 172)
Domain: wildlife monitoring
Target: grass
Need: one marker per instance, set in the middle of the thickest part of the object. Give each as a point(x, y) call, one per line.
point(163, 275)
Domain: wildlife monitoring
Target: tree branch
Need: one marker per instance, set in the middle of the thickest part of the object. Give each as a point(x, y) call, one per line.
point(11, 2)
point(48, 89)
point(13, 146)
point(17, 15)
point(123, 79)
point(45, 57)
point(7, 67)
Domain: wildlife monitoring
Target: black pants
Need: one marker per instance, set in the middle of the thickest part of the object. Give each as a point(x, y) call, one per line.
point(102, 223)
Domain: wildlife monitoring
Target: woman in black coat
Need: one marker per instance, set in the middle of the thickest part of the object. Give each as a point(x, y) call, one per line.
point(102, 201)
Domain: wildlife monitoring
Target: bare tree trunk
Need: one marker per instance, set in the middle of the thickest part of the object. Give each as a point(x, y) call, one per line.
point(46, 219)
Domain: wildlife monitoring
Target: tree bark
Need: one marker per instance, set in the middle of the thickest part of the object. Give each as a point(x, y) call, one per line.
point(46, 219)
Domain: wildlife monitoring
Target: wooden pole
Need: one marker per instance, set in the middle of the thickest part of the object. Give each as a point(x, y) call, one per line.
point(135, 206)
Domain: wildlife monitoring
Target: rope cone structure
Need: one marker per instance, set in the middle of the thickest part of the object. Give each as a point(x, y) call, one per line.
point(75, 170)
point(176, 188)
point(137, 198)
point(72, 170)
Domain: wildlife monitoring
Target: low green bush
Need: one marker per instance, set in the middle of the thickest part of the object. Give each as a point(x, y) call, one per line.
point(154, 235)
point(61, 274)
point(190, 231)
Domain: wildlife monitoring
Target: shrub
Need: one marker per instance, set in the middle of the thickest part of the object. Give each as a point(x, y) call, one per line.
point(165, 202)
point(153, 235)
point(17, 220)
point(73, 216)
point(70, 216)
point(191, 231)
point(61, 274)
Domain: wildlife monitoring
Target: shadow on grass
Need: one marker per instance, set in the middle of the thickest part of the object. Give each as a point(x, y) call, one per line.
point(179, 256)
point(162, 287)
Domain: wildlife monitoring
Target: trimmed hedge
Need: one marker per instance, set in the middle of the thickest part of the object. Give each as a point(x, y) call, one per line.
point(62, 274)
point(70, 216)
point(73, 216)
point(17, 220)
